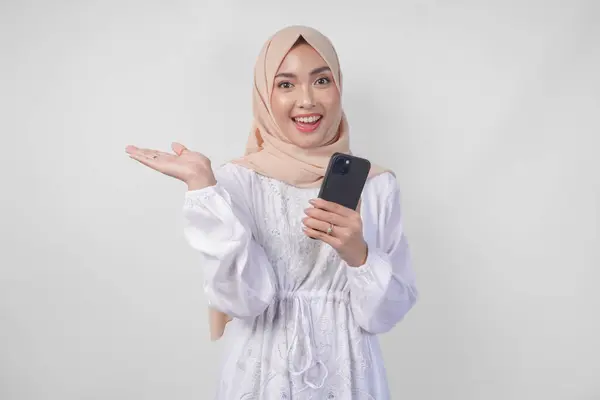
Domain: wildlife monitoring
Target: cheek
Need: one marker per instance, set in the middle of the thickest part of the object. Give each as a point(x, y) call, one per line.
point(331, 101)
point(281, 106)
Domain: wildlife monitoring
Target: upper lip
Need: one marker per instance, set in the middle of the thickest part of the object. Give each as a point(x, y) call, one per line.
point(307, 115)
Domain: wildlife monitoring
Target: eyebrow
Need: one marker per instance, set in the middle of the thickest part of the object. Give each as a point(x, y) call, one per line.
point(313, 72)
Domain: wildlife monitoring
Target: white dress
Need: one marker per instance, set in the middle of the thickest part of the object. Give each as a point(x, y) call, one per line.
point(305, 323)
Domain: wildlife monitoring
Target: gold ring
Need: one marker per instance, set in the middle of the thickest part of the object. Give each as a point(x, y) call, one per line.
point(330, 229)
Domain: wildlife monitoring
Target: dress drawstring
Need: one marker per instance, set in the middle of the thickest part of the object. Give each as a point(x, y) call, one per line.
point(303, 316)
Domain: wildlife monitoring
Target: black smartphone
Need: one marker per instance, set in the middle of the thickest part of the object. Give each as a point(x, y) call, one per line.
point(345, 179)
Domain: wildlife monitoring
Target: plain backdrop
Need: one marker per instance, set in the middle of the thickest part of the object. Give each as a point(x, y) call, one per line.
point(488, 111)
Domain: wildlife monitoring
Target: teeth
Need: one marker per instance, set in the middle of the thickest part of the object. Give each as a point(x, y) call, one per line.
point(308, 120)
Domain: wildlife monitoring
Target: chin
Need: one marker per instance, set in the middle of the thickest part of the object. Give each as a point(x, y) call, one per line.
point(306, 140)
point(307, 144)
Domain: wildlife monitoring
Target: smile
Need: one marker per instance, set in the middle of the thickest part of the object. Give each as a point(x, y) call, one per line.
point(307, 123)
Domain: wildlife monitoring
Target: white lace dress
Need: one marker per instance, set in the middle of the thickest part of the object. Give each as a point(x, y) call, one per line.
point(305, 322)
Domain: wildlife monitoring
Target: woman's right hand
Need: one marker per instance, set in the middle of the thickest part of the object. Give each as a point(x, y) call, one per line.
point(188, 166)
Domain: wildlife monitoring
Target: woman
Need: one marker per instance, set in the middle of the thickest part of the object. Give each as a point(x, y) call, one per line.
point(309, 284)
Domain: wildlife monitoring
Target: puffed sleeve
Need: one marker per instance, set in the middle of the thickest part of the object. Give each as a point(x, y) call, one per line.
point(383, 290)
point(238, 278)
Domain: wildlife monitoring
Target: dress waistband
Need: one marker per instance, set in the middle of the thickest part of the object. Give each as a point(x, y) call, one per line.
point(315, 294)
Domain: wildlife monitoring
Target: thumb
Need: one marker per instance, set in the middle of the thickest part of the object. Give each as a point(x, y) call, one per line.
point(178, 148)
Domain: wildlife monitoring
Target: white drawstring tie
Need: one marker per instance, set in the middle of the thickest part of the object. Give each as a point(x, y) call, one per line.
point(303, 317)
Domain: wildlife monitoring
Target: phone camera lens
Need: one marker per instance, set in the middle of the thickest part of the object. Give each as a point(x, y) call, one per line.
point(341, 166)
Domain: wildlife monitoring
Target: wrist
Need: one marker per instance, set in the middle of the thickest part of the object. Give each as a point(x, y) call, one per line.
point(200, 183)
point(361, 259)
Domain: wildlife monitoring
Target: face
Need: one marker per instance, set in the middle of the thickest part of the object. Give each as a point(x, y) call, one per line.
point(305, 99)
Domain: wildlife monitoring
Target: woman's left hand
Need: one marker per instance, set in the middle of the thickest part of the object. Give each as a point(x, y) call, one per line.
point(346, 234)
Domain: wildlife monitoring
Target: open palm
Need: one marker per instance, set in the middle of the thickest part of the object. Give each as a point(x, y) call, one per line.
point(183, 164)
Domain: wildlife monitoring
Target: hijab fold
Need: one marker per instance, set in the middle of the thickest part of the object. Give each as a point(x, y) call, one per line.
point(268, 151)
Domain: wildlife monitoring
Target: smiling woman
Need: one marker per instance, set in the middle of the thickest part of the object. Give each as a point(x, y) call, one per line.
point(303, 314)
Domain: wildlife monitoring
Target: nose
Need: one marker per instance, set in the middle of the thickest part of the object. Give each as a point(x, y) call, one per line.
point(307, 99)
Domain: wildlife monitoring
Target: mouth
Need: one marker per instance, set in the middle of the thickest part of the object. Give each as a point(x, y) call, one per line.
point(307, 123)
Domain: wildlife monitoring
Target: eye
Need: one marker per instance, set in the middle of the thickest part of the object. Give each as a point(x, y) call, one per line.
point(284, 85)
point(323, 81)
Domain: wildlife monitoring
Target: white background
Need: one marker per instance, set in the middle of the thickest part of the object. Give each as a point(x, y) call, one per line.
point(487, 110)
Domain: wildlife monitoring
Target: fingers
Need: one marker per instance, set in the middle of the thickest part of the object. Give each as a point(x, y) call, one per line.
point(151, 158)
point(335, 214)
point(316, 224)
point(148, 154)
point(178, 148)
point(143, 159)
point(327, 216)
point(317, 234)
point(132, 150)
point(332, 207)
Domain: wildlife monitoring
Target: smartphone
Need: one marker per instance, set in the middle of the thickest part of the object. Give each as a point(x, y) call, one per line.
point(345, 179)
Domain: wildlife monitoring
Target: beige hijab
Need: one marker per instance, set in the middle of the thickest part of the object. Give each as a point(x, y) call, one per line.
point(268, 151)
